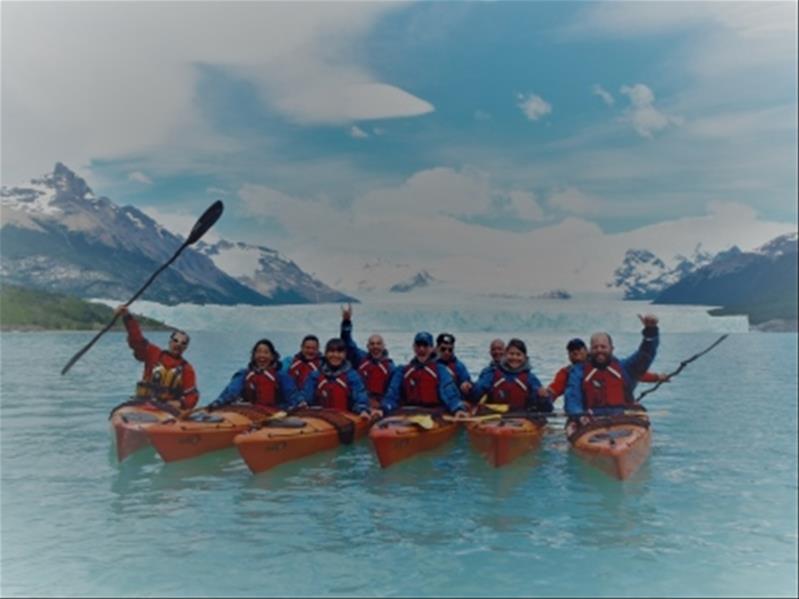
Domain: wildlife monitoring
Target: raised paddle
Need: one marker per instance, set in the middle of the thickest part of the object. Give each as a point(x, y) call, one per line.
point(205, 222)
point(683, 364)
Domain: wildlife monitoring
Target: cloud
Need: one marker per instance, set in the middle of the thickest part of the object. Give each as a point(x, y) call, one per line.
point(642, 114)
point(606, 96)
point(358, 133)
point(139, 177)
point(142, 97)
point(533, 106)
point(216, 191)
point(482, 115)
point(574, 201)
point(439, 219)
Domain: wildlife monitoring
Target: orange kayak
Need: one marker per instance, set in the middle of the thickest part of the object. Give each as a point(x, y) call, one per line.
point(503, 440)
point(130, 421)
point(303, 434)
point(203, 431)
point(397, 438)
point(617, 445)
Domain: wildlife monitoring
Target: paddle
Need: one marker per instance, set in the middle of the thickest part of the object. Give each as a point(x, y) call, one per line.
point(500, 416)
point(423, 421)
point(205, 222)
point(683, 364)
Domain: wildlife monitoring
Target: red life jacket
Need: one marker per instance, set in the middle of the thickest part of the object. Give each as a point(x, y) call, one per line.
point(420, 384)
point(260, 387)
point(333, 392)
point(511, 390)
point(300, 369)
point(605, 387)
point(375, 374)
point(163, 379)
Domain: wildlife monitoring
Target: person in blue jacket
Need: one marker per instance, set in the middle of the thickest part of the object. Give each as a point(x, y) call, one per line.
point(424, 382)
point(604, 384)
point(512, 382)
point(445, 349)
point(264, 382)
point(374, 365)
point(336, 385)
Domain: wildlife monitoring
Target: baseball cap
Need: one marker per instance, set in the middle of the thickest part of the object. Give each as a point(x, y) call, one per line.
point(423, 338)
point(445, 338)
point(575, 343)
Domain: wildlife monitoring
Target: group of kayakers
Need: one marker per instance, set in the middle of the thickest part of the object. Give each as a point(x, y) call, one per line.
point(369, 383)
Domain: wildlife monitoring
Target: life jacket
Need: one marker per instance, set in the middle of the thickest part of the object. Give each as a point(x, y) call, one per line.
point(420, 384)
point(375, 374)
point(300, 369)
point(333, 391)
point(451, 367)
point(605, 387)
point(511, 390)
point(261, 387)
point(164, 383)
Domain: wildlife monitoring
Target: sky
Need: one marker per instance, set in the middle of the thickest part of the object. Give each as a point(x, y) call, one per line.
point(499, 145)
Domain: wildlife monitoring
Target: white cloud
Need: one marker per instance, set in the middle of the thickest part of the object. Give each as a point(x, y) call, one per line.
point(606, 96)
point(533, 106)
point(216, 191)
point(642, 114)
point(141, 97)
point(574, 201)
point(358, 133)
point(418, 222)
point(482, 115)
point(139, 177)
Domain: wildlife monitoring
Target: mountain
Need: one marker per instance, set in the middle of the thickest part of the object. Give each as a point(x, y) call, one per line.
point(57, 235)
point(762, 283)
point(419, 280)
point(642, 275)
point(269, 273)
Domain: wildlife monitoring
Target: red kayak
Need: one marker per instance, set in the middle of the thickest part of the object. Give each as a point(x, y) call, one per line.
point(502, 440)
point(130, 421)
point(304, 433)
point(400, 437)
point(617, 445)
point(203, 432)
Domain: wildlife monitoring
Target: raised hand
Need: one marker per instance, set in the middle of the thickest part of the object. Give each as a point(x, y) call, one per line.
point(346, 312)
point(648, 320)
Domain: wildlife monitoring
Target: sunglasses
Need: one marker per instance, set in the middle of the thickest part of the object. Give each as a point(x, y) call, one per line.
point(447, 348)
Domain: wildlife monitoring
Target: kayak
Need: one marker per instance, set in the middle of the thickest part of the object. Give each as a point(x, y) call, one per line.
point(304, 433)
point(617, 445)
point(203, 431)
point(130, 421)
point(505, 439)
point(398, 438)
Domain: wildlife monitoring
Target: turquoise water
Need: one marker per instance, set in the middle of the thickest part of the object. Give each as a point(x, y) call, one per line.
point(713, 512)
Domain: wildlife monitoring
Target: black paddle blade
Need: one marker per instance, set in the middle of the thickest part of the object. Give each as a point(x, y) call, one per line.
point(206, 221)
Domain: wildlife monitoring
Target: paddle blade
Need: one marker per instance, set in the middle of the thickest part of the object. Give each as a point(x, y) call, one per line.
point(206, 221)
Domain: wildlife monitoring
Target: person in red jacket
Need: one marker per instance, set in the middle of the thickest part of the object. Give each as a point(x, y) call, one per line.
point(578, 353)
point(167, 376)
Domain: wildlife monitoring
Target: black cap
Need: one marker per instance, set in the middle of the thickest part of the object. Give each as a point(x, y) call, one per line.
point(445, 338)
point(575, 343)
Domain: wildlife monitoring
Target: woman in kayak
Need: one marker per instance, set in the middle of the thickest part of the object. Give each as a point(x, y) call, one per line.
point(264, 382)
point(336, 385)
point(512, 382)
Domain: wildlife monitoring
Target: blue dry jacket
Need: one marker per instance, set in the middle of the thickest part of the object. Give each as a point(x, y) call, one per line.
point(461, 372)
point(632, 369)
point(485, 383)
point(355, 354)
point(287, 390)
point(448, 393)
point(358, 400)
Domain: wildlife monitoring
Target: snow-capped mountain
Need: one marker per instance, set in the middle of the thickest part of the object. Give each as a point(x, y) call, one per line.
point(765, 275)
point(57, 235)
point(269, 273)
point(642, 275)
point(380, 275)
point(417, 281)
